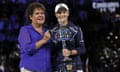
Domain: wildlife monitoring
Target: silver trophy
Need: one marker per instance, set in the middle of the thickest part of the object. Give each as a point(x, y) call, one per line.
point(63, 34)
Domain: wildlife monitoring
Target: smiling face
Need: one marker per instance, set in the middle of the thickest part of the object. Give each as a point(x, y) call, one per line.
point(38, 16)
point(62, 16)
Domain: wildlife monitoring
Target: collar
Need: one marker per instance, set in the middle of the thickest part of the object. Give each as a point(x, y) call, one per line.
point(30, 26)
point(68, 25)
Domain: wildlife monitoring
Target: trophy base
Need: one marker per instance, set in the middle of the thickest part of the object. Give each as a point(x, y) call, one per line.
point(79, 71)
point(67, 59)
point(67, 65)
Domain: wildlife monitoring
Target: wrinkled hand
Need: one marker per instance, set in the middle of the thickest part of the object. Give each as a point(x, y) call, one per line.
point(66, 52)
point(46, 36)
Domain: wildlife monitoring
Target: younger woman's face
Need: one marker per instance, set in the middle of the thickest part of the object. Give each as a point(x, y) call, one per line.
point(62, 16)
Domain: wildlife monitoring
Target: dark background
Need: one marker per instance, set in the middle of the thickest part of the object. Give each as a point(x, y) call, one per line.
point(101, 32)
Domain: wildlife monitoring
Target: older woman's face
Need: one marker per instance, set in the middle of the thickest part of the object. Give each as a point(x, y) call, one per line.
point(38, 16)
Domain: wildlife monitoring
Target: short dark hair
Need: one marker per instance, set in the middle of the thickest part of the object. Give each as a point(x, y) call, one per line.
point(30, 9)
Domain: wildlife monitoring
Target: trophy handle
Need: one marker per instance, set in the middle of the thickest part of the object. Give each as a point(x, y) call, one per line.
point(63, 44)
